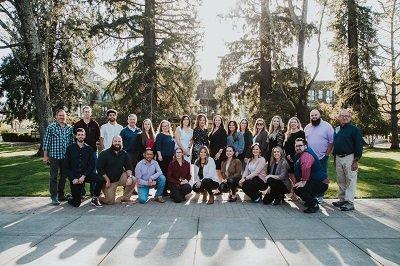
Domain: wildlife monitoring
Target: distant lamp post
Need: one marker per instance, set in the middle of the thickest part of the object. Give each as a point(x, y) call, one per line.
point(80, 108)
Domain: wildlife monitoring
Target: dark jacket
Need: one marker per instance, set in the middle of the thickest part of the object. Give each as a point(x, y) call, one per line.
point(79, 161)
point(234, 169)
point(113, 165)
point(262, 139)
point(92, 132)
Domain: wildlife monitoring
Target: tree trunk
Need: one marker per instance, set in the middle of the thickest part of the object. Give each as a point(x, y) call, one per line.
point(149, 54)
point(394, 112)
point(352, 45)
point(37, 64)
point(265, 51)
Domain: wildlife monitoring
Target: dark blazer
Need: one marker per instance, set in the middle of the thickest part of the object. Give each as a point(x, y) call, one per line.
point(234, 169)
point(263, 140)
point(217, 141)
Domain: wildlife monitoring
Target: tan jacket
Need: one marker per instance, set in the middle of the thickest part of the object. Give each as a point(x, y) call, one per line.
point(234, 169)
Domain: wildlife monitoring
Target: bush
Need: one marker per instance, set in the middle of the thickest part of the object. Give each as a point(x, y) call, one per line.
point(15, 137)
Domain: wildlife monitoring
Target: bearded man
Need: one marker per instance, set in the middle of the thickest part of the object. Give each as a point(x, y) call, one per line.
point(115, 166)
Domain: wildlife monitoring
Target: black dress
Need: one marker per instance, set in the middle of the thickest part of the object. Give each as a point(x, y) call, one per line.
point(289, 148)
point(217, 142)
point(200, 139)
point(275, 140)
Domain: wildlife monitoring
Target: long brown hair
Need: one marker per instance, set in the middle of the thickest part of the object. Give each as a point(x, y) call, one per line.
point(199, 116)
point(222, 123)
point(182, 118)
point(272, 160)
point(198, 160)
point(151, 131)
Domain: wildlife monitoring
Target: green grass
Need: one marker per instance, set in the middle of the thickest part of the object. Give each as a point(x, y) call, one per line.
point(24, 174)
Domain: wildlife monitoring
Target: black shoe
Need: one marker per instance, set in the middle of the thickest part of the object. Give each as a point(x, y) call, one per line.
point(63, 197)
point(347, 207)
point(339, 203)
point(312, 209)
point(166, 194)
point(268, 199)
point(279, 200)
point(95, 202)
point(232, 199)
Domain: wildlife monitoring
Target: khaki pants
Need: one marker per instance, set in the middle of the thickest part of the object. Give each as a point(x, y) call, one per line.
point(110, 192)
point(346, 178)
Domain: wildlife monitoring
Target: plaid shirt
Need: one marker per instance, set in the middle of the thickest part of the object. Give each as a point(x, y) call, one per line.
point(57, 139)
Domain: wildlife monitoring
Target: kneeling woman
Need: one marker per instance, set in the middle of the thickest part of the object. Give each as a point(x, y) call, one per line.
point(231, 170)
point(179, 177)
point(278, 178)
point(205, 175)
point(254, 177)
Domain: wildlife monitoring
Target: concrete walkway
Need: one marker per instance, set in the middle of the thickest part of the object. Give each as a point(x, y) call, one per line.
point(193, 233)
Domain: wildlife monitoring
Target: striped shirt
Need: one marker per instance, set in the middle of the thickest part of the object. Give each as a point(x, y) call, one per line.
point(57, 139)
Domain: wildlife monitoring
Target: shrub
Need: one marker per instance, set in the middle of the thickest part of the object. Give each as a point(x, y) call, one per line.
point(15, 137)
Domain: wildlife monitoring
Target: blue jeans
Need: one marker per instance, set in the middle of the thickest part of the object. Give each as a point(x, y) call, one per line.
point(143, 191)
point(324, 162)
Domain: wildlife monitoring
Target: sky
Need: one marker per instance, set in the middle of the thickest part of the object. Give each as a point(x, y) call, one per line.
point(217, 32)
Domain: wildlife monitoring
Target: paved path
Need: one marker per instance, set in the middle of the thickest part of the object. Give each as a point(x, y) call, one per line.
point(34, 232)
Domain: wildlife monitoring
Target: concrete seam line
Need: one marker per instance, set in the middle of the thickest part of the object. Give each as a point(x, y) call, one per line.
point(197, 239)
point(348, 239)
point(118, 241)
point(273, 240)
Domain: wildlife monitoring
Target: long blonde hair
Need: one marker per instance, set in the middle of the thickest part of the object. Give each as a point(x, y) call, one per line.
point(289, 128)
point(258, 120)
point(169, 125)
point(272, 160)
point(271, 126)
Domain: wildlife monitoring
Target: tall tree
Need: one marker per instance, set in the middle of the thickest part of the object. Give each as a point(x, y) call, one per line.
point(390, 68)
point(156, 53)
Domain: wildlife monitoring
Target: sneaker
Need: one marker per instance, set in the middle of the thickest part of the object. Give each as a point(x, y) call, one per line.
point(62, 197)
point(54, 201)
point(320, 199)
point(232, 199)
point(257, 200)
point(95, 202)
point(312, 209)
point(159, 199)
point(339, 203)
point(347, 207)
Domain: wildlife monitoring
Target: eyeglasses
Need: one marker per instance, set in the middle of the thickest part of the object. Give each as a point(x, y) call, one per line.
point(298, 146)
point(259, 124)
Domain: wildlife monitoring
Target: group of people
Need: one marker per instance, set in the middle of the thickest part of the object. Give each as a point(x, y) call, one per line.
point(201, 160)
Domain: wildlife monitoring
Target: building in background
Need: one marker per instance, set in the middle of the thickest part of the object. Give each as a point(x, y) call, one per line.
point(205, 94)
point(321, 92)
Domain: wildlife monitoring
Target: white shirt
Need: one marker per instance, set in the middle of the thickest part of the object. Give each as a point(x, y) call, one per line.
point(108, 131)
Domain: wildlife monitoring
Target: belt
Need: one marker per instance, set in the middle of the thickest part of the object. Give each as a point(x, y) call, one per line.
point(342, 155)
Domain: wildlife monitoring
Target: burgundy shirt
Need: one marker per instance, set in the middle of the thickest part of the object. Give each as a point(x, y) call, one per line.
point(176, 172)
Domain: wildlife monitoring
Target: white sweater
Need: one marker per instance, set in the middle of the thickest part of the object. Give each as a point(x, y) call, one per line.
point(209, 171)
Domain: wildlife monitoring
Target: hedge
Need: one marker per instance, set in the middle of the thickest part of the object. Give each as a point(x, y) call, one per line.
point(15, 137)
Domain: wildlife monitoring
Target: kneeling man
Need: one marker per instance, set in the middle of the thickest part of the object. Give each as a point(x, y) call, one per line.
point(149, 174)
point(311, 177)
point(115, 166)
point(79, 166)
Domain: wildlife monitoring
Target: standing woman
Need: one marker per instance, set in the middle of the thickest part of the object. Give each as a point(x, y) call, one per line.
point(278, 178)
point(231, 174)
point(235, 138)
point(261, 136)
point(147, 138)
point(248, 141)
point(293, 132)
point(184, 136)
point(276, 135)
point(200, 136)
point(254, 177)
point(217, 140)
point(205, 175)
point(179, 177)
point(165, 148)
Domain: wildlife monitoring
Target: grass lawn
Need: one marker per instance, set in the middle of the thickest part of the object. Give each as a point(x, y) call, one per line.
point(24, 174)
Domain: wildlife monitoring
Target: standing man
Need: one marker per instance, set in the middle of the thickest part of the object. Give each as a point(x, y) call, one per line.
point(58, 136)
point(347, 150)
point(319, 136)
point(92, 130)
point(110, 130)
point(311, 179)
point(115, 166)
point(79, 168)
point(130, 138)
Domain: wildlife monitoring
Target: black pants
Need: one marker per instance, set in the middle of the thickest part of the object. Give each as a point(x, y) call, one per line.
point(310, 190)
point(252, 187)
point(178, 192)
point(207, 184)
point(278, 189)
point(164, 168)
point(232, 184)
point(57, 166)
point(76, 190)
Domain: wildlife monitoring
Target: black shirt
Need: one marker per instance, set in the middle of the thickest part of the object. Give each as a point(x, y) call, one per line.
point(289, 143)
point(217, 141)
point(113, 164)
point(79, 161)
point(201, 175)
point(92, 132)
